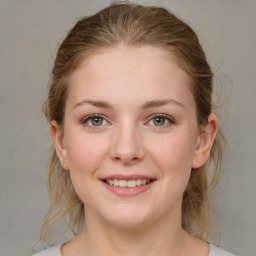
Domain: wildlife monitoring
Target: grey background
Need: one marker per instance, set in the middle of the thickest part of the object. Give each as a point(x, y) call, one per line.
point(30, 33)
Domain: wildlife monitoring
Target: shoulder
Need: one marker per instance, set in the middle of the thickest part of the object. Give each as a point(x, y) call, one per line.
point(216, 251)
point(53, 251)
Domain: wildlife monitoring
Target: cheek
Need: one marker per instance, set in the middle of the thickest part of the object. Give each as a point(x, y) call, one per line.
point(84, 158)
point(173, 153)
point(173, 158)
point(85, 153)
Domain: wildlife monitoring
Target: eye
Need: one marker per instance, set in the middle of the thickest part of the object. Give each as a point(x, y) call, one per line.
point(94, 121)
point(161, 120)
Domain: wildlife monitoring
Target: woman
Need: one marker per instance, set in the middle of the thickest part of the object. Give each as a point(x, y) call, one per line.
point(131, 116)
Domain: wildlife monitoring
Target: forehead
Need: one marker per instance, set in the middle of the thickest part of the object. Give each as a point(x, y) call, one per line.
point(129, 71)
point(132, 55)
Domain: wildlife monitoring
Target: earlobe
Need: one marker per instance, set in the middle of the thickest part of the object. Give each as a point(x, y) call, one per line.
point(57, 135)
point(205, 141)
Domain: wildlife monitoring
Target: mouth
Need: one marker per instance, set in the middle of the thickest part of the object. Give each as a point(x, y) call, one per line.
point(128, 183)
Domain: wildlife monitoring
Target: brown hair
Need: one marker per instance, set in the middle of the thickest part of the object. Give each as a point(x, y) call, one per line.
point(134, 26)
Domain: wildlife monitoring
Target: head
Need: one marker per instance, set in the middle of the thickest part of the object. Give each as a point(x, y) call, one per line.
point(132, 26)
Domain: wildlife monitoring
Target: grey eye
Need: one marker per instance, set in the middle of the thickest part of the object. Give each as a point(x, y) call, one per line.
point(96, 121)
point(159, 121)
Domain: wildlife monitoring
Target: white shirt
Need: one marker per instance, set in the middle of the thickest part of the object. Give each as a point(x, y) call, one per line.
point(55, 251)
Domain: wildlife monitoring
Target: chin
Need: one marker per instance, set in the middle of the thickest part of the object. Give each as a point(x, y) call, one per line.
point(128, 218)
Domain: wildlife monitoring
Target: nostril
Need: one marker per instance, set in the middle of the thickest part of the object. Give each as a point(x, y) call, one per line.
point(126, 148)
point(126, 158)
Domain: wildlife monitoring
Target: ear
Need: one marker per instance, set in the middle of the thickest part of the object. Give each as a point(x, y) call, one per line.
point(205, 141)
point(58, 137)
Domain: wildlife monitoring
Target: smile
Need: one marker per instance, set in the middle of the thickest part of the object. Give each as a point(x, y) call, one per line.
point(127, 183)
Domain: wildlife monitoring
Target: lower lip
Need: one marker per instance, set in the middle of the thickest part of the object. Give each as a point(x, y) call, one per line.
point(128, 191)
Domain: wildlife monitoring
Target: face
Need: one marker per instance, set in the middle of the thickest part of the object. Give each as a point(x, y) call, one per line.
point(130, 135)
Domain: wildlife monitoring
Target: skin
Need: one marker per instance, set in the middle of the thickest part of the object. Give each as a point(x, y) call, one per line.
point(130, 141)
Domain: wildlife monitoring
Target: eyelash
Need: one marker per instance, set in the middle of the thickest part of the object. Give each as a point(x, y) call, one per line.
point(94, 116)
point(166, 117)
point(91, 117)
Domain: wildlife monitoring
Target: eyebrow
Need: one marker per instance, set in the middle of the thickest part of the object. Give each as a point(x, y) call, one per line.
point(96, 103)
point(146, 105)
point(159, 103)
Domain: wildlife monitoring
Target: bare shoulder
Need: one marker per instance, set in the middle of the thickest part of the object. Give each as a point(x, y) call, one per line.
point(73, 246)
point(196, 246)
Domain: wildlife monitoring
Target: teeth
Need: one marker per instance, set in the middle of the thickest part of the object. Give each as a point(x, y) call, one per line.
point(138, 182)
point(128, 183)
point(131, 183)
point(122, 183)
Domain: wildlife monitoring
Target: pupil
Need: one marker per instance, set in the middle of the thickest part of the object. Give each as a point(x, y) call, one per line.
point(159, 121)
point(97, 121)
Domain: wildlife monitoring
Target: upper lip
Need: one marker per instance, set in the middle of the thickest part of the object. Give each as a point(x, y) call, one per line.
point(127, 177)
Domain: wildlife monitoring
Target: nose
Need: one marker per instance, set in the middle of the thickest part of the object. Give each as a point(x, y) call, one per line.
point(127, 145)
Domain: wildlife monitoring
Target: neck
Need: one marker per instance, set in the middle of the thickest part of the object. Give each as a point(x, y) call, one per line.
point(165, 237)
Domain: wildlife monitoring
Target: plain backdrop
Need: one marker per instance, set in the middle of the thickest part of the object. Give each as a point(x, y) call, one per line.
point(30, 33)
